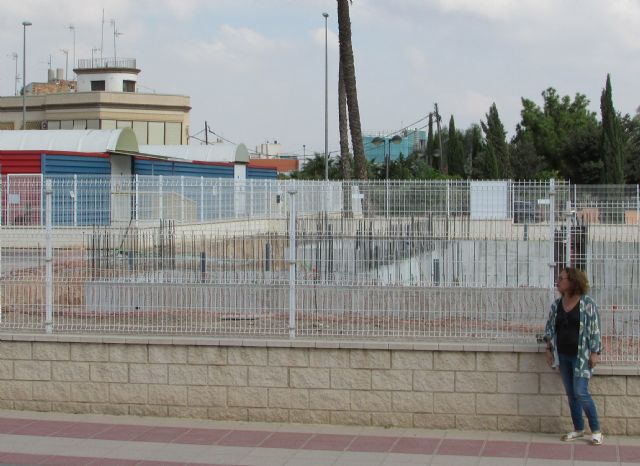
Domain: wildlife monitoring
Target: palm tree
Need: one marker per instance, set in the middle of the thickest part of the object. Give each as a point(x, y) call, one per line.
point(349, 76)
point(345, 159)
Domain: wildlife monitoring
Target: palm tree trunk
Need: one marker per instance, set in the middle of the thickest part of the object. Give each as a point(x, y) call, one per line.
point(349, 74)
point(345, 160)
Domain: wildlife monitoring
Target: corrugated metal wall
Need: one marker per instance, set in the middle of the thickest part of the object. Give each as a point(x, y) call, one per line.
point(75, 164)
point(159, 167)
point(20, 162)
point(261, 174)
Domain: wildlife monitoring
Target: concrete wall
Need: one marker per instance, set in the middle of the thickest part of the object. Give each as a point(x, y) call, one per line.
point(430, 385)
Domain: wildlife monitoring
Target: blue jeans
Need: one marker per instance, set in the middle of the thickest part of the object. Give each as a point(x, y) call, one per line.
point(577, 389)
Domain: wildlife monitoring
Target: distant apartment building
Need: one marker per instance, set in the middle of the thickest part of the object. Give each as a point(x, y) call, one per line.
point(377, 145)
point(105, 96)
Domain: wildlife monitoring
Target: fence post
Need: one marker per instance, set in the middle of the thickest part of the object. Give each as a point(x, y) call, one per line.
point(292, 265)
point(182, 198)
point(136, 201)
point(568, 233)
point(48, 259)
point(160, 196)
point(75, 200)
point(552, 237)
point(202, 198)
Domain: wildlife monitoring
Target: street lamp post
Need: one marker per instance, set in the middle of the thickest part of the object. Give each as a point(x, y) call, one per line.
point(24, 73)
point(326, 102)
point(72, 28)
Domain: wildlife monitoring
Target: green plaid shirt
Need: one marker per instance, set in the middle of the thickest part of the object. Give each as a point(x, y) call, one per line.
point(588, 336)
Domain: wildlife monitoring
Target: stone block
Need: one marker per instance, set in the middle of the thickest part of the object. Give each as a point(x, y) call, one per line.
point(182, 374)
point(208, 355)
point(91, 352)
point(309, 416)
point(414, 360)
point(149, 373)
point(38, 406)
point(608, 385)
point(476, 382)
point(247, 397)
point(392, 379)
point(149, 410)
point(32, 370)
point(71, 407)
point(454, 361)
point(433, 381)
point(369, 359)
point(6, 370)
point(539, 405)
point(517, 382)
point(45, 351)
point(351, 379)
point(16, 390)
point(232, 376)
point(555, 425)
point(434, 421)
point(465, 422)
point(454, 403)
point(613, 426)
point(52, 391)
point(288, 357)
point(412, 402)
point(228, 414)
point(533, 362)
point(245, 356)
point(389, 420)
point(622, 406)
point(167, 354)
point(207, 396)
point(329, 399)
point(309, 377)
point(70, 371)
point(370, 401)
point(633, 386)
point(114, 372)
point(551, 384)
point(633, 427)
point(188, 412)
point(6, 404)
point(268, 415)
point(497, 362)
point(15, 350)
point(128, 353)
point(109, 409)
point(497, 404)
point(288, 398)
point(167, 395)
point(519, 423)
point(264, 376)
point(89, 392)
point(329, 358)
point(123, 393)
point(350, 418)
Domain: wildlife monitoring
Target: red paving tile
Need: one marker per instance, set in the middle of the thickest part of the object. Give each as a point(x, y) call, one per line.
point(419, 446)
point(160, 434)
point(629, 454)
point(292, 440)
point(81, 430)
point(550, 451)
point(41, 428)
point(21, 458)
point(243, 438)
point(332, 442)
point(67, 461)
point(370, 443)
point(121, 432)
point(460, 447)
point(8, 425)
point(201, 436)
point(114, 462)
point(595, 453)
point(505, 449)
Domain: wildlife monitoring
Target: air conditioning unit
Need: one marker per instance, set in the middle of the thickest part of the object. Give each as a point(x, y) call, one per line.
point(44, 124)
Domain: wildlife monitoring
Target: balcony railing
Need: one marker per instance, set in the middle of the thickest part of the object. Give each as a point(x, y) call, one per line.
point(106, 62)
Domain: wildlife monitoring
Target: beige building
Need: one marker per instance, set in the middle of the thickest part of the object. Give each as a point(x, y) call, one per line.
point(106, 97)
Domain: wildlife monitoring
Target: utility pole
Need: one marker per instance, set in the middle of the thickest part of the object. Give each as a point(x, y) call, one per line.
point(206, 134)
point(443, 156)
point(15, 86)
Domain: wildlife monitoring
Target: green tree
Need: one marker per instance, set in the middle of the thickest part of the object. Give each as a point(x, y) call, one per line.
point(631, 139)
point(455, 150)
point(349, 78)
point(611, 140)
point(473, 148)
point(497, 148)
point(431, 143)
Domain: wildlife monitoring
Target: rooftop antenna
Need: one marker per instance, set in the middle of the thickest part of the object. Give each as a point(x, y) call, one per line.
point(102, 37)
point(72, 28)
point(66, 69)
point(116, 33)
point(14, 55)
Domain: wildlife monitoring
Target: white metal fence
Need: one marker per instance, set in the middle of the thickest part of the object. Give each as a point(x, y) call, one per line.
point(456, 260)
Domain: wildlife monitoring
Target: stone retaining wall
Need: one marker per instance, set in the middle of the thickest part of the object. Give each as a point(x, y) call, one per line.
point(430, 385)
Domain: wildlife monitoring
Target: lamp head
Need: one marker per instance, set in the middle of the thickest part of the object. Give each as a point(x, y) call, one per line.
point(326, 15)
point(377, 141)
point(397, 139)
point(26, 23)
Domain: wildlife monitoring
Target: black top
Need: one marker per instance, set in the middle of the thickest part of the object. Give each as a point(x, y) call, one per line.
point(568, 329)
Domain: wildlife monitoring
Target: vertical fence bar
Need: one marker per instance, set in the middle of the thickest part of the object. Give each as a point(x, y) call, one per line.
point(182, 199)
point(49, 259)
point(552, 237)
point(136, 201)
point(75, 200)
point(160, 200)
point(292, 265)
point(568, 226)
point(202, 198)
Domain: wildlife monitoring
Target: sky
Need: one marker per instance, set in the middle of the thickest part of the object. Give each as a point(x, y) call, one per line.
point(255, 69)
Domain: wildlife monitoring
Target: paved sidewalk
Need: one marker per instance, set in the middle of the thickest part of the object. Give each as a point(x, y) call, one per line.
point(70, 440)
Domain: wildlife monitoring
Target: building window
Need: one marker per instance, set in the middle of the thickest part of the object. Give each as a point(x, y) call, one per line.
point(97, 85)
point(128, 86)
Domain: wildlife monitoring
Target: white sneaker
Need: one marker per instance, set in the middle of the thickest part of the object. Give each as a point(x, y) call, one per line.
point(597, 438)
point(571, 436)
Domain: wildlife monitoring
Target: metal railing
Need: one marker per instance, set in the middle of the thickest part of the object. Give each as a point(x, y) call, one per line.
point(452, 260)
point(106, 62)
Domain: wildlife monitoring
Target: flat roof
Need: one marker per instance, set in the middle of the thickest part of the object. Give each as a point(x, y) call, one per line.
point(217, 152)
point(92, 140)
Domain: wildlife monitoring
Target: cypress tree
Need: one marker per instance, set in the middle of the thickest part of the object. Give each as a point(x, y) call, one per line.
point(611, 141)
point(495, 136)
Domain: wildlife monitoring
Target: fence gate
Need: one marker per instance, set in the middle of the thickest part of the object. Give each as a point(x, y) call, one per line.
point(22, 200)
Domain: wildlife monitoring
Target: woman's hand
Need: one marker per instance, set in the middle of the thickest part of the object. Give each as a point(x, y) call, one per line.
point(549, 356)
point(594, 359)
